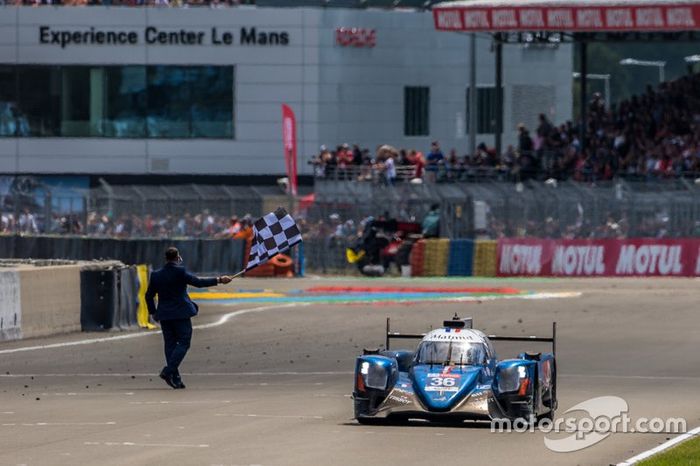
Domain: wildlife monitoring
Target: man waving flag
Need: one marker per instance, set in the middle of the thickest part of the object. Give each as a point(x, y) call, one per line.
point(273, 233)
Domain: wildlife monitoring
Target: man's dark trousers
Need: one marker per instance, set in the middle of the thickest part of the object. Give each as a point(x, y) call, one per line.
point(177, 334)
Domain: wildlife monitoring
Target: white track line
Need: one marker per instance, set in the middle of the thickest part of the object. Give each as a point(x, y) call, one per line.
point(133, 444)
point(60, 424)
point(271, 416)
point(664, 446)
point(222, 320)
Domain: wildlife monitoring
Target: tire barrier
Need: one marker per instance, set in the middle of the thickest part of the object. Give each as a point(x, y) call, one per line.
point(280, 265)
point(485, 258)
point(201, 255)
point(461, 258)
point(417, 258)
point(436, 257)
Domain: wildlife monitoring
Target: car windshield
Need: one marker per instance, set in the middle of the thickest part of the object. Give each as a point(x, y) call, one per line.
point(451, 353)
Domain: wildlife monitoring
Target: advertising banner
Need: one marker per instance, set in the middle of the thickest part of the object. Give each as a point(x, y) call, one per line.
point(645, 257)
point(289, 137)
point(568, 16)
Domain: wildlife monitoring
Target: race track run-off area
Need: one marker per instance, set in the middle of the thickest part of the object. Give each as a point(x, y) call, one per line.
point(269, 375)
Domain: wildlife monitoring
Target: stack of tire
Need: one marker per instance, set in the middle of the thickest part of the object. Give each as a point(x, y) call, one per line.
point(436, 257)
point(417, 258)
point(280, 265)
point(461, 258)
point(485, 258)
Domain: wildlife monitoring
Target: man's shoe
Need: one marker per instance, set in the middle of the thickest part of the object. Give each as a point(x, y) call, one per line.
point(178, 381)
point(168, 378)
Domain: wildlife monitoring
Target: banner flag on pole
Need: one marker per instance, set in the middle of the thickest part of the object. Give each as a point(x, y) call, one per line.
point(289, 137)
point(273, 233)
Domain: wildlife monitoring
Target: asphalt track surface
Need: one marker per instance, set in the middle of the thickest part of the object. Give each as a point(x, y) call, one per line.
point(273, 387)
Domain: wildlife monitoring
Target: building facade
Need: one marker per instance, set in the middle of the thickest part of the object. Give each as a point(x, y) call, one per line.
point(100, 90)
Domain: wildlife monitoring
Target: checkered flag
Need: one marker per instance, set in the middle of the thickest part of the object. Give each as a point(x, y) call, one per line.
point(272, 234)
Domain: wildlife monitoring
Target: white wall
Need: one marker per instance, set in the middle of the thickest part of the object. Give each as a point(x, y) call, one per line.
point(340, 94)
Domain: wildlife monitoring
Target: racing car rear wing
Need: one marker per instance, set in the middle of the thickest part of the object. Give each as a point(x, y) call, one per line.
point(468, 323)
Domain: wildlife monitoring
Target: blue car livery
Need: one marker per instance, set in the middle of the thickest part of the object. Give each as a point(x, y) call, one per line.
point(454, 375)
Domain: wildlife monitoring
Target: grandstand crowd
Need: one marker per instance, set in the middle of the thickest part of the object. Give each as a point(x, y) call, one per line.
point(650, 136)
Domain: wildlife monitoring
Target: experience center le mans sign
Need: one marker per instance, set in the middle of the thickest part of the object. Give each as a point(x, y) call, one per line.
point(154, 36)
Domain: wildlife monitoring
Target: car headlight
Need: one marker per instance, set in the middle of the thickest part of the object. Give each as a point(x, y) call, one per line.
point(509, 379)
point(376, 377)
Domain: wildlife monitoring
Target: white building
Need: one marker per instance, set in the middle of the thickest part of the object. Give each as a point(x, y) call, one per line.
point(99, 90)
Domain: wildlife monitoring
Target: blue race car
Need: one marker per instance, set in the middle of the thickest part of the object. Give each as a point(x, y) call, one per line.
point(454, 375)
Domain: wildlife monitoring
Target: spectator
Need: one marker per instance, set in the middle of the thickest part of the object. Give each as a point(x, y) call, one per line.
point(431, 222)
point(433, 160)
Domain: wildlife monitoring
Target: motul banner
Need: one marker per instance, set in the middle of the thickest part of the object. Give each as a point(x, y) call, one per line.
point(568, 16)
point(289, 138)
point(604, 257)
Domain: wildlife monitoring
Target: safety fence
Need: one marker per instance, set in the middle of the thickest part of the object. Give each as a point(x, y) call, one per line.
point(556, 258)
point(200, 255)
point(493, 209)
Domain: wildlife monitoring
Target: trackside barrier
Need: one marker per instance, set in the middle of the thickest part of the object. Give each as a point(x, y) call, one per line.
point(461, 257)
point(10, 306)
point(109, 298)
point(417, 258)
point(639, 257)
point(484, 258)
point(142, 317)
point(50, 299)
point(436, 257)
point(201, 255)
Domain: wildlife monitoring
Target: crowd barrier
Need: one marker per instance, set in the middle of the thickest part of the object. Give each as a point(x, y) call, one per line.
point(201, 255)
point(556, 258)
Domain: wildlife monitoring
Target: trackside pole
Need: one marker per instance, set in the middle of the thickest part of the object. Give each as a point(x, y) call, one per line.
point(387, 334)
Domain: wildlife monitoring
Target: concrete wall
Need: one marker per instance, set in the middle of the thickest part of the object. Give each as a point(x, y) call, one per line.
point(50, 298)
point(339, 94)
point(10, 306)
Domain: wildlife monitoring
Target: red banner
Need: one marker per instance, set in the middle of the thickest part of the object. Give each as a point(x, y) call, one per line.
point(646, 257)
point(644, 16)
point(289, 138)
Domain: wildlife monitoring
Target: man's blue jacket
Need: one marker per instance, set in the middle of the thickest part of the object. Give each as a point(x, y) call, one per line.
point(170, 284)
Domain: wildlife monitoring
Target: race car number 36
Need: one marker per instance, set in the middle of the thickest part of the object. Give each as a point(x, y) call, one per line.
point(442, 384)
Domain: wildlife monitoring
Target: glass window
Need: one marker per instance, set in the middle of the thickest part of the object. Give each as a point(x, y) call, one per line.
point(211, 109)
point(451, 353)
point(39, 101)
point(125, 102)
point(486, 110)
point(416, 111)
point(76, 91)
point(8, 101)
point(117, 101)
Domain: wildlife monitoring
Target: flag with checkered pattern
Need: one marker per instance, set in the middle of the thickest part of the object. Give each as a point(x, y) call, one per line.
point(273, 233)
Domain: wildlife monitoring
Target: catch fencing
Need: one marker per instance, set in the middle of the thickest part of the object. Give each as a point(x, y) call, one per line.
point(491, 209)
point(177, 200)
